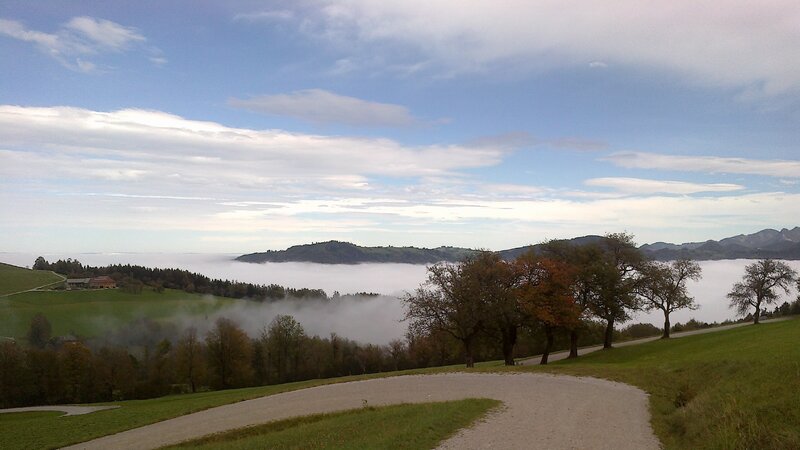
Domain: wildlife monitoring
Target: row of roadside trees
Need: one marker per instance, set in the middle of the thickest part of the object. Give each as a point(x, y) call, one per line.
point(561, 285)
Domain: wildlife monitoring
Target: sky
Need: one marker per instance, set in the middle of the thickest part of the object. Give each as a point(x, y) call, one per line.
point(240, 126)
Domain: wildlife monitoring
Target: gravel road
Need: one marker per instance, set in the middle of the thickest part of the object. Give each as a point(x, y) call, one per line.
point(539, 411)
point(68, 409)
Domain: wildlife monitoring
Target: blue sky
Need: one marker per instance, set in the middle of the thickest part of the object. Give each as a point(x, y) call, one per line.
point(203, 127)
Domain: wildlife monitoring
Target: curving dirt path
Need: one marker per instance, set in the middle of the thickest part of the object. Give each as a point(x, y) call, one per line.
point(69, 410)
point(540, 411)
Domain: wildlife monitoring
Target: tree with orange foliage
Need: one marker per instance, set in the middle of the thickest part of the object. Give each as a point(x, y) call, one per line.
point(544, 290)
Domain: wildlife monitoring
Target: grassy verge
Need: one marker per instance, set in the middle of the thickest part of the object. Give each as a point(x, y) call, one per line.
point(415, 426)
point(16, 279)
point(730, 389)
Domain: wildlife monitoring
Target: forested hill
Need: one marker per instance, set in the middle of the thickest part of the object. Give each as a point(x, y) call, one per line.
point(769, 243)
point(335, 252)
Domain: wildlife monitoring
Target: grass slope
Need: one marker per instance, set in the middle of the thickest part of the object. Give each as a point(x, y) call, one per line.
point(729, 389)
point(93, 312)
point(15, 279)
point(415, 426)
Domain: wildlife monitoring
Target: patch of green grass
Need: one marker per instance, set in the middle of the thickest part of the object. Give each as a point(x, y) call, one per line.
point(730, 389)
point(16, 279)
point(407, 426)
point(93, 312)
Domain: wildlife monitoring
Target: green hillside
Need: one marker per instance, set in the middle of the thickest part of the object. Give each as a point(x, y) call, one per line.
point(15, 279)
point(732, 389)
point(729, 389)
point(93, 312)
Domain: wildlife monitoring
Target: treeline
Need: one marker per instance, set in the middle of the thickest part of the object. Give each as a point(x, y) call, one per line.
point(132, 278)
point(562, 284)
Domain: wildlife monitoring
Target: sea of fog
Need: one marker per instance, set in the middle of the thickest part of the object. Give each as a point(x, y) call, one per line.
point(372, 319)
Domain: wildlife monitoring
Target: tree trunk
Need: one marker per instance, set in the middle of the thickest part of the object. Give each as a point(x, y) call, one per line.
point(666, 326)
point(469, 360)
point(609, 334)
point(573, 344)
point(757, 315)
point(509, 341)
point(549, 333)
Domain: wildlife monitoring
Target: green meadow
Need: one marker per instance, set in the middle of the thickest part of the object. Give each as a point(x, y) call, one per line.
point(16, 279)
point(94, 312)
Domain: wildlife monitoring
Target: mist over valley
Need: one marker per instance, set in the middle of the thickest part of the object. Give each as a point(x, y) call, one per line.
point(375, 319)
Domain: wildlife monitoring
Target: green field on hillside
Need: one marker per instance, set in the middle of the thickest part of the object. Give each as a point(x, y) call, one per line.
point(94, 312)
point(16, 279)
point(728, 389)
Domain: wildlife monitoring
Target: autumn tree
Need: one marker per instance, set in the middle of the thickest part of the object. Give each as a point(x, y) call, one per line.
point(229, 354)
point(114, 372)
point(760, 285)
point(39, 331)
point(586, 265)
point(284, 339)
point(544, 290)
point(663, 286)
point(77, 371)
point(447, 302)
point(190, 359)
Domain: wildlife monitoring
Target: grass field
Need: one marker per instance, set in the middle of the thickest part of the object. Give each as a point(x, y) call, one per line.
point(417, 426)
point(16, 279)
point(93, 312)
point(729, 389)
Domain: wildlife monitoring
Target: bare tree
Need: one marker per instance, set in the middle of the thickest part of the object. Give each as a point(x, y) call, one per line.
point(663, 286)
point(760, 285)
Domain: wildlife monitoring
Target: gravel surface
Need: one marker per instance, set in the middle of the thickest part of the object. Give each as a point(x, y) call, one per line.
point(68, 409)
point(539, 412)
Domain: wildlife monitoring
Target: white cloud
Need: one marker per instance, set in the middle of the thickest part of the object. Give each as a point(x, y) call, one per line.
point(156, 147)
point(79, 39)
point(642, 187)
point(265, 16)
point(104, 33)
point(709, 164)
point(320, 106)
point(727, 43)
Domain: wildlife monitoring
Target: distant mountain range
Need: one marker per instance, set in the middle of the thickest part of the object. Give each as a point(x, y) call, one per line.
point(769, 243)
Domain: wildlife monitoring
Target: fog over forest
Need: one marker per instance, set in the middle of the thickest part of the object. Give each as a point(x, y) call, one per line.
point(366, 319)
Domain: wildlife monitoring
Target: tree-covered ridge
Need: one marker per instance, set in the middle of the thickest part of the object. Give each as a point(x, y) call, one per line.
point(769, 243)
point(336, 252)
point(133, 277)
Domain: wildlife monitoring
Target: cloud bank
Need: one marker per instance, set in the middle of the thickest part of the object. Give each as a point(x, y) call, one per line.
point(746, 46)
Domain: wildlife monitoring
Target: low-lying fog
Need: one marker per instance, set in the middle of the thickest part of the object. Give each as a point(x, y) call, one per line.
point(371, 319)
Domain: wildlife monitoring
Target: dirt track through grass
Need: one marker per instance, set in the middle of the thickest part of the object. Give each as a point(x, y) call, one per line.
point(540, 411)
